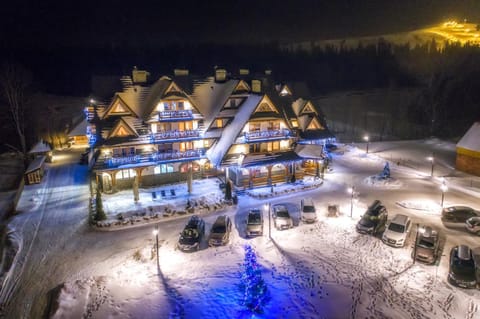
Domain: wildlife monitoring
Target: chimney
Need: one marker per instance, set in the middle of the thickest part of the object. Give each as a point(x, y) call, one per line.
point(244, 71)
point(256, 86)
point(139, 76)
point(180, 72)
point(268, 72)
point(220, 75)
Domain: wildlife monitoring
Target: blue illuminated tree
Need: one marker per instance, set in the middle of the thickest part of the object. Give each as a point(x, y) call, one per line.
point(386, 171)
point(256, 293)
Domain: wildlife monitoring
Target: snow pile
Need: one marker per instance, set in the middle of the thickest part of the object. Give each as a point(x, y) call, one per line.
point(387, 183)
point(425, 206)
point(308, 182)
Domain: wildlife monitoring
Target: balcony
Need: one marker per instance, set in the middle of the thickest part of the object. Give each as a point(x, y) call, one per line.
point(256, 136)
point(174, 115)
point(153, 158)
point(163, 136)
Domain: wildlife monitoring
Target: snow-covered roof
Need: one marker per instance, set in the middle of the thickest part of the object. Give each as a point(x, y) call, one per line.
point(216, 153)
point(211, 96)
point(40, 147)
point(309, 150)
point(35, 164)
point(471, 139)
point(80, 129)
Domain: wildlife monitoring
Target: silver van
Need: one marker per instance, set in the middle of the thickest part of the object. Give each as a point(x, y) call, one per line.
point(308, 213)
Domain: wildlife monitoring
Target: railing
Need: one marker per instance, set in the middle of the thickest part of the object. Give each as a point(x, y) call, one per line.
point(179, 114)
point(176, 155)
point(166, 135)
point(260, 135)
point(154, 157)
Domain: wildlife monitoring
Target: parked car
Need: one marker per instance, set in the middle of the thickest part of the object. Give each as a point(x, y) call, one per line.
point(307, 211)
point(192, 234)
point(456, 216)
point(281, 217)
point(374, 219)
point(461, 271)
point(220, 231)
point(397, 231)
point(254, 223)
point(426, 245)
point(473, 225)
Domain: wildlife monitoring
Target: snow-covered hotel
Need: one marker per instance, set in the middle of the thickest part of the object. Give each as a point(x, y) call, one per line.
point(245, 128)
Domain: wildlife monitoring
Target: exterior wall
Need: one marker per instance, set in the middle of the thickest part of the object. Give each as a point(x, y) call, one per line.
point(468, 164)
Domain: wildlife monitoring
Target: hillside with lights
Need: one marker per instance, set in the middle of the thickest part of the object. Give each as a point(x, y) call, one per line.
point(447, 32)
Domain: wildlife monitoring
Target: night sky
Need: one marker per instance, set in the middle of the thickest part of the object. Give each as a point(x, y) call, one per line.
point(96, 24)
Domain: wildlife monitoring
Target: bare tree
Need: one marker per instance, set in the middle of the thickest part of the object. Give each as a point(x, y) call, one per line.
point(14, 83)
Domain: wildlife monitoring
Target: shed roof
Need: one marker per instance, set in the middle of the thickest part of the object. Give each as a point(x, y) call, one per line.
point(471, 139)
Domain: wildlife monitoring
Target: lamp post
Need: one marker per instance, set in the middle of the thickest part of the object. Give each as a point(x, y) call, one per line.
point(367, 139)
point(444, 188)
point(267, 207)
point(351, 190)
point(155, 232)
point(431, 159)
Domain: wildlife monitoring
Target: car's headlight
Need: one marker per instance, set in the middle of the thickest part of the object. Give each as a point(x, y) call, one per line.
point(401, 240)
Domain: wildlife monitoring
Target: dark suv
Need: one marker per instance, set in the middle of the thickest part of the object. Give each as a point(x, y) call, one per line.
point(192, 234)
point(456, 216)
point(374, 219)
point(461, 272)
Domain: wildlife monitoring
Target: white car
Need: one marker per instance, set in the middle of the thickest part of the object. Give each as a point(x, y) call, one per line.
point(281, 217)
point(397, 231)
point(308, 212)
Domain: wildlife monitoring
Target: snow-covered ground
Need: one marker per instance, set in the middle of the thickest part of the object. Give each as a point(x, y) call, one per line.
point(320, 270)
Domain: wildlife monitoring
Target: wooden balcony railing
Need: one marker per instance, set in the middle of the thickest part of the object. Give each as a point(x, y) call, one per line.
point(266, 135)
point(168, 156)
point(174, 135)
point(179, 114)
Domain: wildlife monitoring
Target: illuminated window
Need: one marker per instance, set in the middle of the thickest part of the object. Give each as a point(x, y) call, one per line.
point(219, 123)
point(254, 126)
point(125, 174)
point(163, 169)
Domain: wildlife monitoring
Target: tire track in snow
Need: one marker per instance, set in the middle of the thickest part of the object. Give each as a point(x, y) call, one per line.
point(15, 274)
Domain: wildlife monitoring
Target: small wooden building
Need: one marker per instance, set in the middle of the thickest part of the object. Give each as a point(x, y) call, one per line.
point(35, 171)
point(42, 149)
point(78, 135)
point(468, 151)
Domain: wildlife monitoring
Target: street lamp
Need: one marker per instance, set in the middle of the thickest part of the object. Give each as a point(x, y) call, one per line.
point(444, 188)
point(155, 232)
point(351, 190)
point(431, 159)
point(367, 139)
point(267, 207)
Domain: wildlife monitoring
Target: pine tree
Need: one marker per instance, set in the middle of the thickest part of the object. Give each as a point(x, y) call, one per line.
point(100, 213)
point(255, 290)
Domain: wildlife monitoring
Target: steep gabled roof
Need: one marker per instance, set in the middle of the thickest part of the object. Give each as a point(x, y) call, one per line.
point(216, 153)
point(123, 127)
point(210, 96)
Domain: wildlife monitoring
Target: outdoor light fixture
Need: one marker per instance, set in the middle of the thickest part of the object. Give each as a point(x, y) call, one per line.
point(444, 189)
point(367, 139)
point(351, 190)
point(431, 159)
